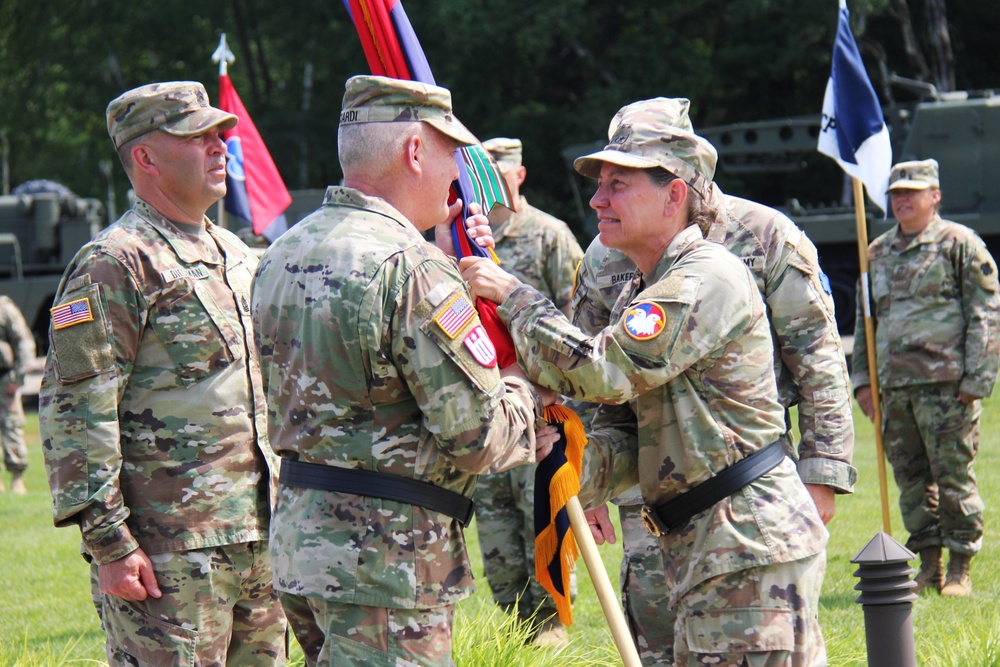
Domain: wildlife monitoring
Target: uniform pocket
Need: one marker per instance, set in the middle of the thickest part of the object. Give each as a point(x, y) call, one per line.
point(731, 633)
point(149, 640)
point(196, 334)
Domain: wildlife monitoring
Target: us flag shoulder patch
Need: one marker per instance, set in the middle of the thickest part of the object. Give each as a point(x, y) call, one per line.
point(455, 316)
point(74, 312)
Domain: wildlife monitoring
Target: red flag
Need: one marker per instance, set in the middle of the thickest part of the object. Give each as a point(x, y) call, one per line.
point(256, 193)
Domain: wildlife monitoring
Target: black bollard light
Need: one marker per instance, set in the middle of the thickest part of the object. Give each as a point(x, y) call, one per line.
point(887, 598)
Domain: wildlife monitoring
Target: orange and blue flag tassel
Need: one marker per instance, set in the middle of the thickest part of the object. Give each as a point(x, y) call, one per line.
point(557, 479)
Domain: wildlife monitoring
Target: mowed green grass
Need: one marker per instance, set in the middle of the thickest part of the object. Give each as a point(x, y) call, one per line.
point(47, 617)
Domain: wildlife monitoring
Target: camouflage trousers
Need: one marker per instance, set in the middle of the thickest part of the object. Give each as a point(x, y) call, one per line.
point(644, 590)
point(765, 616)
point(218, 608)
point(347, 635)
point(15, 453)
point(931, 440)
point(505, 523)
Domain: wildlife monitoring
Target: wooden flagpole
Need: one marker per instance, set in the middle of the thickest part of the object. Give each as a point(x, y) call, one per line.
point(861, 223)
point(606, 594)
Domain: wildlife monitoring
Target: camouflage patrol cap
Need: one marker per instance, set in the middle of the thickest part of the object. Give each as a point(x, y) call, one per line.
point(179, 108)
point(672, 111)
point(645, 137)
point(507, 152)
point(914, 175)
point(379, 99)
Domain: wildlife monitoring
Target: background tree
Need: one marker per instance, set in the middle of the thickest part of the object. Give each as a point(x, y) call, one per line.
point(551, 73)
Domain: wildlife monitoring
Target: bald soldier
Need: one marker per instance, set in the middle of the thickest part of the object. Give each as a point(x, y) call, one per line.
point(385, 398)
point(152, 411)
point(541, 251)
point(934, 301)
point(691, 414)
point(809, 366)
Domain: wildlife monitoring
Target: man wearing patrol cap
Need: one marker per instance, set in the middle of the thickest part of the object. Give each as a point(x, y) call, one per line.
point(809, 367)
point(541, 251)
point(152, 411)
point(385, 399)
point(688, 361)
point(934, 301)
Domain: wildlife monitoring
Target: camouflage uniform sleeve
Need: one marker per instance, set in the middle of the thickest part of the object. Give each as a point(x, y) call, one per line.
point(981, 306)
point(860, 376)
point(801, 313)
point(88, 368)
point(564, 255)
point(610, 459)
point(18, 336)
point(480, 422)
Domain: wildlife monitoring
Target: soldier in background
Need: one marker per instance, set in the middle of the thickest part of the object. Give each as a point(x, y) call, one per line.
point(935, 307)
point(152, 412)
point(17, 350)
point(539, 250)
point(688, 355)
point(809, 365)
point(385, 402)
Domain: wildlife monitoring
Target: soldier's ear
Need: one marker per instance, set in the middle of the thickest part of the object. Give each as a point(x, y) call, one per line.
point(144, 160)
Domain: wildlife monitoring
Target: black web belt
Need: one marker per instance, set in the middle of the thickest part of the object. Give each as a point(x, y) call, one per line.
point(675, 513)
point(377, 485)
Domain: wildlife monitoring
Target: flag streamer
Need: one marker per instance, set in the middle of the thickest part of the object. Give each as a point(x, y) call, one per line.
point(557, 479)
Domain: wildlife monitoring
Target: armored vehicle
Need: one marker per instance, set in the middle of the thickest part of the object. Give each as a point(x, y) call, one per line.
point(40, 231)
point(776, 163)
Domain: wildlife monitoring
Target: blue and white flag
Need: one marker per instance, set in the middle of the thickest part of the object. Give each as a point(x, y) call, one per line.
point(853, 131)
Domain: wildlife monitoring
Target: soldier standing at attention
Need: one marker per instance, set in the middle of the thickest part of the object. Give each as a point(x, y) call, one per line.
point(385, 401)
point(688, 361)
point(17, 350)
point(935, 301)
point(809, 366)
point(541, 251)
point(152, 411)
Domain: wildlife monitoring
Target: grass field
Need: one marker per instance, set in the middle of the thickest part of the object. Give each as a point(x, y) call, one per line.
point(47, 618)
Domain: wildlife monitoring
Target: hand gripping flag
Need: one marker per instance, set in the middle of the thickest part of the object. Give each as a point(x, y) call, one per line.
point(853, 131)
point(255, 193)
point(392, 50)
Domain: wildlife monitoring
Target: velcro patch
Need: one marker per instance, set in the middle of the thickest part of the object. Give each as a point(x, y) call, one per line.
point(453, 318)
point(481, 347)
point(644, 321)
point(74, 312)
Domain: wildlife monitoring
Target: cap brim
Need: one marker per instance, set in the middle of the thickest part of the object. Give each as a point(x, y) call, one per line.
point(199, 121)
point(910, 185)
point(453, 129)
point(590, 165)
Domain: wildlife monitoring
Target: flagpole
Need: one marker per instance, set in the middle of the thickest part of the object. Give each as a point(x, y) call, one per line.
point(606, 595)
point(861, 222)
point(223, 56)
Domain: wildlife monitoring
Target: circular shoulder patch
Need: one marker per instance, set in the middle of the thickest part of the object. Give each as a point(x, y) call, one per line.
point(644, 321)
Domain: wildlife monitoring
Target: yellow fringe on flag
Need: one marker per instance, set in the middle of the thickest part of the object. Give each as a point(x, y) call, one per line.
point(565, 483)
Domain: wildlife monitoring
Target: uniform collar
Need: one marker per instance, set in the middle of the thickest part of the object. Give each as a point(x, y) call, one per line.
point(926, 235)
point(675, 249)
point(187, 248)
point(339, 195)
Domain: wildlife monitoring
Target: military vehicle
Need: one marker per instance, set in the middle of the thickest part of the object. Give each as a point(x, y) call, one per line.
point(776, 163)
point(40, 231)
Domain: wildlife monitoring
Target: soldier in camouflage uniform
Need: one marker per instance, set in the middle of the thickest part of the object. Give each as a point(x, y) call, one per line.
point(380, 378)
point(689, 352)
point(934, 302)
point(809, 366)
point(541, 251)
point(17, 349)
point(152, 410)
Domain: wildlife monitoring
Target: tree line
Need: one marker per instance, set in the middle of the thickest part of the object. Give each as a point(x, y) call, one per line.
point(551, 73)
